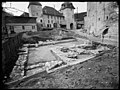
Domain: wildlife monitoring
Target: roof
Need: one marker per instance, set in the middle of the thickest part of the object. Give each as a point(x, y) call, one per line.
point(80, 16)
point(34, 3)
point(51, 11)
point(25, 14)
point(67, 5)
point(17, 19)
point(6, 13)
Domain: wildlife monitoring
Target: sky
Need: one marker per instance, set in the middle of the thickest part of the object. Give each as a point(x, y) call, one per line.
point(82, 6)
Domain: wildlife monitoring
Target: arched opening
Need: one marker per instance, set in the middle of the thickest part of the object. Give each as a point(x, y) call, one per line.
point(71, 26)
point(55, 25)
point(105, 31)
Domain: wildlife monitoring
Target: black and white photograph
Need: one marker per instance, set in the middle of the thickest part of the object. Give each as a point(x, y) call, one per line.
point(60, 45)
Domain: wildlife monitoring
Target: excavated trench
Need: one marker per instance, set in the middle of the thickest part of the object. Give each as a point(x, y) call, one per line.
point(37, 65)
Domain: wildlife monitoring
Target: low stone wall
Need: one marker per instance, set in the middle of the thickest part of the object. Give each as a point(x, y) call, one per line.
point(9, 53)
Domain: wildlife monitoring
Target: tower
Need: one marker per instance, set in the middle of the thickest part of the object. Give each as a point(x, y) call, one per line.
point(67, 9)
point(35, 10)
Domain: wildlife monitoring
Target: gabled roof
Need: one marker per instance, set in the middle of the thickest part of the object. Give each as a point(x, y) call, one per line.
point(51, 11)
point(18, 19)
point(34, 3)
point(25, 14)
point(80, 16)
point(67, 5)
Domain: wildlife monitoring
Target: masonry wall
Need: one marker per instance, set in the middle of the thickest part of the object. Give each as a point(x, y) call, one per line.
point(98, 14)
point(9, 53)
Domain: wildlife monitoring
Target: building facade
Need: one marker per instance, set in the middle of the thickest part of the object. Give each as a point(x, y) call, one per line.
point(46, 16)
point(98, 17)
point(16, 24)
point(4, 14)
point(50, 17)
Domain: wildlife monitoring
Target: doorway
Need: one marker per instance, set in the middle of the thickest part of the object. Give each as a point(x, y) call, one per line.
point(71, 26)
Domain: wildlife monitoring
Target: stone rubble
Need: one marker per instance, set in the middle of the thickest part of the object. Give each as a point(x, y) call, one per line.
point(19, 68)
point(65, 56)
point(69, 55)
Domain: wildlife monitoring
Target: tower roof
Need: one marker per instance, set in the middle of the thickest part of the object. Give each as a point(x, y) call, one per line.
point(34, 3)
point(67, 5)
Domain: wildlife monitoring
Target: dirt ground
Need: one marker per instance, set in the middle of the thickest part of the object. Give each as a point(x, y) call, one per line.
point(101, 72)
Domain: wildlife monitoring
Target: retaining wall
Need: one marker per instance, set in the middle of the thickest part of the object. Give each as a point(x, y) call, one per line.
point(9, 53)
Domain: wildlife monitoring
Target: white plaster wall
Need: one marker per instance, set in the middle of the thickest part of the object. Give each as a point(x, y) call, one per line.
point(55, 19)
point(69, 17)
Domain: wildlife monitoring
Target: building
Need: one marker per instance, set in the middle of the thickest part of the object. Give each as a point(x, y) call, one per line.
point(4, 14)
point(101, 15)
point(17, 24)
point(25, 14)
point(46, 16)
point(50, 17)
point(79, 19)
point(67, 9)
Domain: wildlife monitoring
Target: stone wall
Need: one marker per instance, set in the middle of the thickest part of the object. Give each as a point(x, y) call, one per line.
point(98, 15)
point(9, 53)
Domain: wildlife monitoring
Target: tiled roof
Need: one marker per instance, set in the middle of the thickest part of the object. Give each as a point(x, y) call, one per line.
point(51, 11)
point(25, 14)
point(67, 5)
point(80, 16)
point(34, 3)
point(18, 19)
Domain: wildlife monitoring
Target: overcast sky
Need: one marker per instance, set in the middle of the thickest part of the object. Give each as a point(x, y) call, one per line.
point(82, 6)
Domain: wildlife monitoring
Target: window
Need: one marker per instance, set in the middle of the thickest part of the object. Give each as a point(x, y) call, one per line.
point(47, 25)
point(41, 21)
point(23, 27)
point(51, 17)
point(33, 27)
point(106, 17)
point(51, 21)
point(99, 19)
point(36, 14)
point(50, 25)
point(48, 16)
point(48, 21)
point(72, 16)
